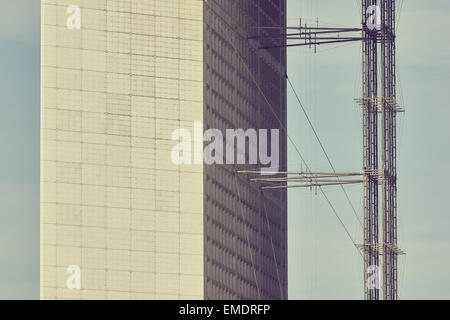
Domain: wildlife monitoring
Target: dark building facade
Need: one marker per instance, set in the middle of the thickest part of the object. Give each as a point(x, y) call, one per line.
point(245, 230)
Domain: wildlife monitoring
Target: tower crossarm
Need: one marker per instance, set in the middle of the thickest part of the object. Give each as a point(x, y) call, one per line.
point(382, 103)
point(381, 248)
point(285, 180)
point(305, 35)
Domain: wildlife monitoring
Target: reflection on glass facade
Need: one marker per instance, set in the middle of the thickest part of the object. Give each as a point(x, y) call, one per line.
point(113, 203)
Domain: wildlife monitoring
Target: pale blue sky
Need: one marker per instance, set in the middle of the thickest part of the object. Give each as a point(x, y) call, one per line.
point(19, 145)
point(322, 261)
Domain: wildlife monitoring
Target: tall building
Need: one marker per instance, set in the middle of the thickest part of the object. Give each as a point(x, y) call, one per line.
point(120, 219)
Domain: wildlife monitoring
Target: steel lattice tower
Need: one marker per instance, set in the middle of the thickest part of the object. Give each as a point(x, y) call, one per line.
point(387, 107)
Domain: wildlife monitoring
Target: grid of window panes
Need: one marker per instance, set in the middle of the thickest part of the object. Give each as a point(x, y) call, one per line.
point(239, 260)
point(112, 202)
